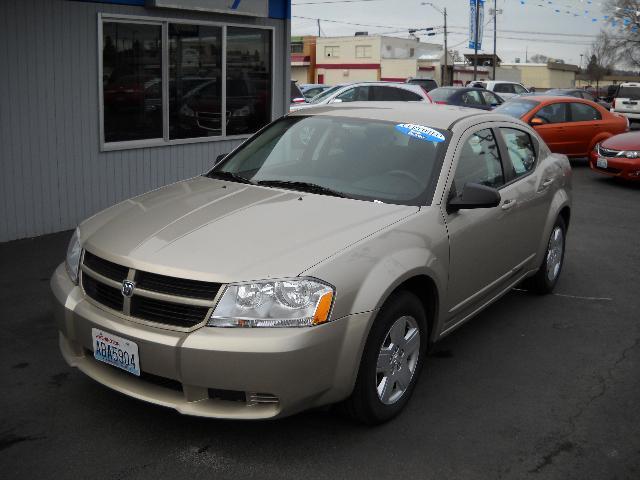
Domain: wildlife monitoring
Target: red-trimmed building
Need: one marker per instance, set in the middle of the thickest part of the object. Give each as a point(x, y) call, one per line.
point(373, 57)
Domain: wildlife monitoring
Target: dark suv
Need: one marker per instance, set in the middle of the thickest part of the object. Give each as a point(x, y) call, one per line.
point(427, 83)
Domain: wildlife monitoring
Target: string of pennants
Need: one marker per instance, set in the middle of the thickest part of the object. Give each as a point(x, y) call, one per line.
point(622, 18)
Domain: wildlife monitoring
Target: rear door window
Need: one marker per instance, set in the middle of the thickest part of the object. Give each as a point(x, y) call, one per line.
point(472, 97)
point(504, 88)
point(357, 94)
point(519, 89)
point(490, 99)
point(581, 112)
point(520, 149)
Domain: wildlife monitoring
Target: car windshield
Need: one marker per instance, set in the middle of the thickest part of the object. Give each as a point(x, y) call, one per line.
point(517, 108)
point(632, 93)
point(319, 98)
point(354, 158)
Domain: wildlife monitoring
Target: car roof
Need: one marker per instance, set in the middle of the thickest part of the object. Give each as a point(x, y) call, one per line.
point(435, 116)
point(550, 98)
point(630, 84)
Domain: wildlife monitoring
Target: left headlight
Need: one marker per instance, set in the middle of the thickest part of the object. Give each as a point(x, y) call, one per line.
point(631, 154)
point(298, 302)
point(73, 256)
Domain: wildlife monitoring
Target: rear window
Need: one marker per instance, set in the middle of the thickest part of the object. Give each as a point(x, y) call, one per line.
point(517, 108)
point(426, 83)
point(442, 94)
point(632, 93)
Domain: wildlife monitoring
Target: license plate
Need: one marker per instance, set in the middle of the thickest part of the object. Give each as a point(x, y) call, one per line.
point(116, 351)
point(601, 162)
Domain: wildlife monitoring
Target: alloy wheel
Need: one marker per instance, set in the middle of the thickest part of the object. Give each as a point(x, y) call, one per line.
point(397, 359)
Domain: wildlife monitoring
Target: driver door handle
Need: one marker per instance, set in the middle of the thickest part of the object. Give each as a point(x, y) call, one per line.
point(509, 204)
point(545, 184)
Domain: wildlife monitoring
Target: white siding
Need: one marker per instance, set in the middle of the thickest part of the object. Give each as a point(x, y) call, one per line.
point(53, 174)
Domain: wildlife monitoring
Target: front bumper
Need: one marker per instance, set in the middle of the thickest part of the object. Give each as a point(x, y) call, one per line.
point(269, 372)
point(628, 169)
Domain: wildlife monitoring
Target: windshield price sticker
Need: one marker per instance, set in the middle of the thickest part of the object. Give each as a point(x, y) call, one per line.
point(421, 132)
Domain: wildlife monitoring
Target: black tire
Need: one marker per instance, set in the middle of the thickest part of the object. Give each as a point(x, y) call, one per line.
point(541, 282)
point(365, 405)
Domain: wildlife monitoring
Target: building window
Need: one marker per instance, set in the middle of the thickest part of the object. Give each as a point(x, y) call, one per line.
point(132, 81)
point(297, 47)
point(412, 52)
point(195, 81)
point(248, 80)
point(332, 51)
point(188, 96)
point(363, 51)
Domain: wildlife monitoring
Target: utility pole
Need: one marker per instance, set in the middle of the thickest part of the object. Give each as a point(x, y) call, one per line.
point(495, 36)
point(475, 59)
point(319, 31)
point(445, 76)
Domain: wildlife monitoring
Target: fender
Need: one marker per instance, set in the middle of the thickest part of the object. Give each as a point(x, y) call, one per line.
point(560, 200)
point(601, 137)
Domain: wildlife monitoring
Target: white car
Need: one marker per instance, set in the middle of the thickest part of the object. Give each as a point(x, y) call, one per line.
point(503, 88)
point(368, 91)
point(627, 100)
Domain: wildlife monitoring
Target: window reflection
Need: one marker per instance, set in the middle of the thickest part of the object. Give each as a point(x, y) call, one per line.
point(248, 80)
point(132, 81)
point(195, 81)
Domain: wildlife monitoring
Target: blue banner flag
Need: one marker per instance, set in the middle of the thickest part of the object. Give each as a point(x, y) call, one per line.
point(472, 23)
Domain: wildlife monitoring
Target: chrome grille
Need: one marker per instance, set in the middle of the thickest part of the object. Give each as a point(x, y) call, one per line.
point(179, 303)
point(606, 152)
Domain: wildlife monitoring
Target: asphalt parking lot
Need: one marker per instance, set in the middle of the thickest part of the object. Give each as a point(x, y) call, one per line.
point(535, 387)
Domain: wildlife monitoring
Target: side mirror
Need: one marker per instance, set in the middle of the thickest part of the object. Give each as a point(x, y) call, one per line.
point(299, 100)
point(536, 122)
point(475, 195)
point(220, 157)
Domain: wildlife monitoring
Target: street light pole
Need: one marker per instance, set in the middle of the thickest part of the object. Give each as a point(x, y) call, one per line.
point(475, 59)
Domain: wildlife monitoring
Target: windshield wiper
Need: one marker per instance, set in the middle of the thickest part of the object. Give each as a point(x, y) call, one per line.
point(302, 186)
point(234, 177)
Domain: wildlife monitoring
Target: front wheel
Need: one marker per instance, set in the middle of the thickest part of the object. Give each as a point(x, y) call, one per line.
point(545, 279)
point(391, 361)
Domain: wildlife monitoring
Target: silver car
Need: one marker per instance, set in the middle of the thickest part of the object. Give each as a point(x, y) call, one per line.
point(316, 263)
point(367, 92)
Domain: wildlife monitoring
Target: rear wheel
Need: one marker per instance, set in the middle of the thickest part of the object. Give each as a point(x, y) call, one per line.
point(546, 278)
point(391, 361)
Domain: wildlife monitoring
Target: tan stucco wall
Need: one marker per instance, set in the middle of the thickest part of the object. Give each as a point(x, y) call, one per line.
point(398, 68)
point(299, 74)
point(347, 47)
point(336, 76)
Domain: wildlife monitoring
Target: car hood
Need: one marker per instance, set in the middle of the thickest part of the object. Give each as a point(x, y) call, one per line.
point(221, 231)
point(624, 141)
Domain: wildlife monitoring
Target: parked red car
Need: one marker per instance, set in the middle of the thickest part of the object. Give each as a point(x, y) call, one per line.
point(572, 126)
point(618, 156)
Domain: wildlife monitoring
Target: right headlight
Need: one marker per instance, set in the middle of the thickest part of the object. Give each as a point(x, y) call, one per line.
point(297, 302)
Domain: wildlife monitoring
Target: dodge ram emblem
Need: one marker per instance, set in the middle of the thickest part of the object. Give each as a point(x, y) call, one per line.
point(127, 288)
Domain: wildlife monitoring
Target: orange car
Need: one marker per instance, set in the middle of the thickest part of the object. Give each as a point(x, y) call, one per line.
point(568, 125)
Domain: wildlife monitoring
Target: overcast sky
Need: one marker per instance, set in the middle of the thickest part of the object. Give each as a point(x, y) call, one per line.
point(557, 35)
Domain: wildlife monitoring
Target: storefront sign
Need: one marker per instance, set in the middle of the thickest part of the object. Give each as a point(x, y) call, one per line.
point(255, 8)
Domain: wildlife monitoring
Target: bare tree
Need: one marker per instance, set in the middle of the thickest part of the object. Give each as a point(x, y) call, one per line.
point(601, 57)
point(539, 58)
point(624, 43)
